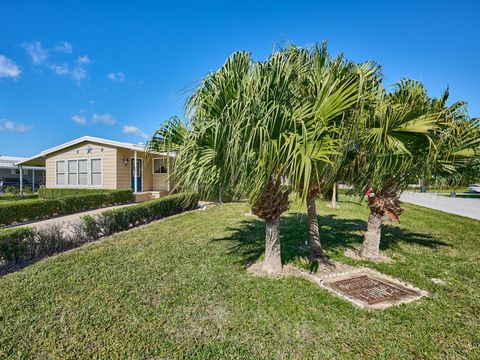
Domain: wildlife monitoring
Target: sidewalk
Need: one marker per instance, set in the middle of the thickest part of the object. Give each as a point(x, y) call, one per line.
point(463, 207)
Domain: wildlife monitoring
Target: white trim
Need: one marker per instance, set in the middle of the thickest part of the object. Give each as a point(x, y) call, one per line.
point(142, 175)
point(21, 180)
point(56, 173)
point(92, 139)
point(89, 174)
point(135, 172)
point(13, 167)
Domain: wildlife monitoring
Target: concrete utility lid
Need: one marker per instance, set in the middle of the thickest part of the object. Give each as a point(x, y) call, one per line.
point(367, 288)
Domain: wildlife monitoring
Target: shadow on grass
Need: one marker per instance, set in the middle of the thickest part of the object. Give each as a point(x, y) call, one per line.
point(337, 235)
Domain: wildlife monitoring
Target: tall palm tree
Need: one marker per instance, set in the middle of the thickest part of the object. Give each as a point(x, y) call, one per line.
point(326, 76)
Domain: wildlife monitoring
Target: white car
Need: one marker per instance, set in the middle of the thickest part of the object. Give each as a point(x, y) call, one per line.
point(474, 188)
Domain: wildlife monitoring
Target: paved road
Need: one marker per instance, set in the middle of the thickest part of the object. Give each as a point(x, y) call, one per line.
point(68, 218)
point(464, 207)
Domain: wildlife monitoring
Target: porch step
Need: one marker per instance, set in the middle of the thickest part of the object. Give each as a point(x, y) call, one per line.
point(157, 194)
point(149, 195)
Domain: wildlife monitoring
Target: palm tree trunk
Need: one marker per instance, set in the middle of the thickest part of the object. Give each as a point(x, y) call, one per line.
point(371, 242)
point(334, 195)
point(315, 245)
point(273, 261)
point(270, 206)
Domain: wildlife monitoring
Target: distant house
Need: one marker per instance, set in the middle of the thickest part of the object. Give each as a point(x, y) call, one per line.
point(95, 163)
point(13, 175)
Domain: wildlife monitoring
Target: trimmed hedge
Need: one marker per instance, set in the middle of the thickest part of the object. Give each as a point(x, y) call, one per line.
point(125, 218)
point(25, 244)
point(17, 197)
point(27, 210)
point(58, 193)
point(16, 245)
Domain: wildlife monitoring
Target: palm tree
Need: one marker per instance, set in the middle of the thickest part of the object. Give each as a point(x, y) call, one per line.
point(318, 90)
point(403, 138)
point(249, 130)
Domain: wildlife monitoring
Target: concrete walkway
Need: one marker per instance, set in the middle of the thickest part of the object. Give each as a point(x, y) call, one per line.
point(67, 218)
point(460, 206)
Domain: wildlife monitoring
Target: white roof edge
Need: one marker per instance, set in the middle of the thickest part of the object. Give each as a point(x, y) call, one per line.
point(96, 140)
point(18, 163)
point(124, 145)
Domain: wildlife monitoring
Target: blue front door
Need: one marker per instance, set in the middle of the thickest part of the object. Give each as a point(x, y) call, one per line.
point(136, 177)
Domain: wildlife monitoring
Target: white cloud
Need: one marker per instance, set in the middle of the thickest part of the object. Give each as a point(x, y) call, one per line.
point(8, 125)
point(60, 69)
point(103, 118)
point(78, 74)
point(83, 60)
point(8, 68)
point(64, 47)
point(130, 129)
point(116, 76)
point(40, 56)
point(37, 53)
point(79, 119)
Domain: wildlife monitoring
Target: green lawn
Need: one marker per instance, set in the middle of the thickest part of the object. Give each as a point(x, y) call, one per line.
point(179, 289)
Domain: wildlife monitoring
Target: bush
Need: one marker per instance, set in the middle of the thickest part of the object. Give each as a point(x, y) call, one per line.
point(25, 210)
point(58, 193)
point(11, 189)
point(27, 190)
point(17, 211)
point(25, 244)
point(16, 245)
point(4, 197)
point(125, 218)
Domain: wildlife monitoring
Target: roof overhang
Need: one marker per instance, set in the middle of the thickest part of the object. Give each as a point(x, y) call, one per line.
point(39, 160)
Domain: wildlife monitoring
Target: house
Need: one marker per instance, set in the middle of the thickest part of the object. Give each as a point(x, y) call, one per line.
point(13, 175)
point(95, 163)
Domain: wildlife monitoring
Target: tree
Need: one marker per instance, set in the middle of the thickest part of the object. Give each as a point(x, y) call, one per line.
point(322, 89)
point(404, 139)
point(251, 135)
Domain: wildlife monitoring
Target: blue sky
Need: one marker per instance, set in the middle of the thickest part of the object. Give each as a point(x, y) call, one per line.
point(119, 69)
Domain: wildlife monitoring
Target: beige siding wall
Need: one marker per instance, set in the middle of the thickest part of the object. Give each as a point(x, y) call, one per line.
point(123, 172)
point(115, 174)
point(160, 181)
point(108, 155)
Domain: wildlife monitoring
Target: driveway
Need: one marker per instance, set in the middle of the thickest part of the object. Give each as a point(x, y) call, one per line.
point(464, 207)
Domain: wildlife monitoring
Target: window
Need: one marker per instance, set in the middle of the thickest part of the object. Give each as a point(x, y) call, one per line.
point(72, 172)
point(77, 172)
point(82, 172)
point(96, 171)
point(60, 170)
point(160, 166)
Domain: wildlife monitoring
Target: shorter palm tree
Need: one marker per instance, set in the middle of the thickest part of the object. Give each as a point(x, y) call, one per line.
point(401, 139)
